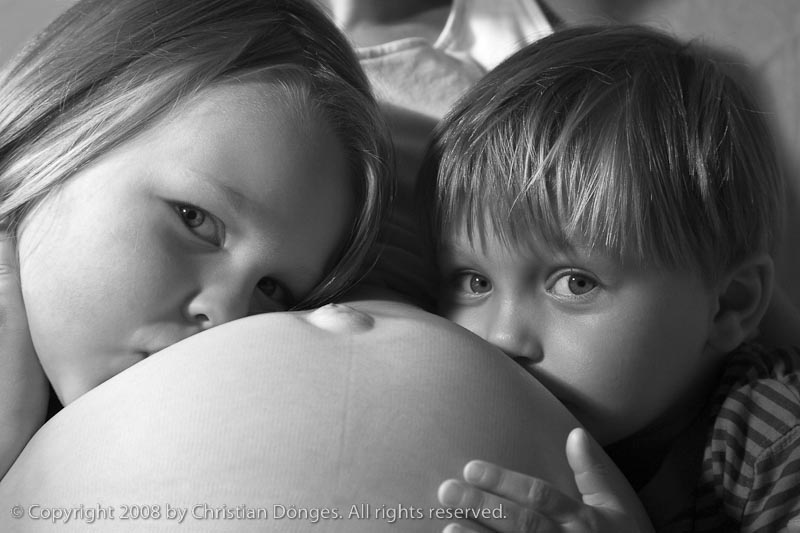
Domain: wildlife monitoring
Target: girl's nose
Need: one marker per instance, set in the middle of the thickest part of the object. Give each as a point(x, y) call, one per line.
point(218, 304)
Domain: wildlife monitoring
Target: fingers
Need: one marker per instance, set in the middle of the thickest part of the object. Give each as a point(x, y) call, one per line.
point(600, 482)
point(527, 503)
point(520, 488)
point(23, 387)
point(8, 254)
point(513, 502)
point(460, 528)
point(596, 476)
point(482, 510)
point(12, 316)
point(16, 349)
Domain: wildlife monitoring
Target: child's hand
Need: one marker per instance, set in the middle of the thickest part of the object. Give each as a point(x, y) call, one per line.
point(23, 386)
point(14, 333)
point(531, 504)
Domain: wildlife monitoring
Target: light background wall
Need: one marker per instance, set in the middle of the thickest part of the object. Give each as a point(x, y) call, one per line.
point(20, 19)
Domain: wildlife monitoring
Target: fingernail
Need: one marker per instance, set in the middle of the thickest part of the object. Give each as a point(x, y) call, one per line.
point(474, 472)
point(450, 493)
point(583, 438)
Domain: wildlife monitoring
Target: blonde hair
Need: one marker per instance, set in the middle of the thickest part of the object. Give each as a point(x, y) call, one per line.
point(619, 138)
point(105, 71)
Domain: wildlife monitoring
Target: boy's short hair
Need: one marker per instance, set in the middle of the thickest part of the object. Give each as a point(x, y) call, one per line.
point(619, 138)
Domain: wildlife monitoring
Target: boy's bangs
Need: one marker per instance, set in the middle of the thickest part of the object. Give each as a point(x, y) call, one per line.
point(560, 193)
point(652, 156)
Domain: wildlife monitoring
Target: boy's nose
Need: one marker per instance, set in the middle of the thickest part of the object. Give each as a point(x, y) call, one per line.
point(513, 332)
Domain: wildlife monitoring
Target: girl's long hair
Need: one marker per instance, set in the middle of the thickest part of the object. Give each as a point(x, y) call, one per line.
point(105, 71)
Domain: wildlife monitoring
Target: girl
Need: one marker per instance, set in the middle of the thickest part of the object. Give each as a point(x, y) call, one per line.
point(168, 166)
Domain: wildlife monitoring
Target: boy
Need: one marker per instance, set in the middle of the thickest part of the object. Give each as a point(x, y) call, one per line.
point(605, 205)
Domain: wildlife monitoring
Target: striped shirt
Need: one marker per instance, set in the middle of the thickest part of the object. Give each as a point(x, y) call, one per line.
point(750, 476)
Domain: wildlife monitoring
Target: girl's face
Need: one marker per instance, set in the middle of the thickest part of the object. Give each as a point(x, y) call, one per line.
point(231, 206)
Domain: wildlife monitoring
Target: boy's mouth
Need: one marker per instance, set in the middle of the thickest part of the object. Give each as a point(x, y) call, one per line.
point(530, 367)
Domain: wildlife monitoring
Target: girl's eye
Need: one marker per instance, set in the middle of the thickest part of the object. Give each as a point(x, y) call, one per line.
point(275, 291)
point(202, 223)
point(573, 284)
point(472, 284)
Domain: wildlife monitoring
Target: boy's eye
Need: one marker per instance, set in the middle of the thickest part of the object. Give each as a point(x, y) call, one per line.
point(472, 283)
point(202, 223)
point(573, 284)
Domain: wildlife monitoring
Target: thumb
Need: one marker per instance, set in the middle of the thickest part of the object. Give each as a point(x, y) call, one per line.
point(14, 332)
point(600, 482)
point(11, 314)
point(17, 354)
point(8, 255)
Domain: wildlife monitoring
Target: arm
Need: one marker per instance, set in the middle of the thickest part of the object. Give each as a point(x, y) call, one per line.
point(530, 504)
point(23, 387)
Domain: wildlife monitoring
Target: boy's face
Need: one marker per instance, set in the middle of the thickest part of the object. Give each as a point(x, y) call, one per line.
point(227, 208)
point(624, 347)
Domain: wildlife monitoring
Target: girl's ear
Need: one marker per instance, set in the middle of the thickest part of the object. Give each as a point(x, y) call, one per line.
point(743, 297)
